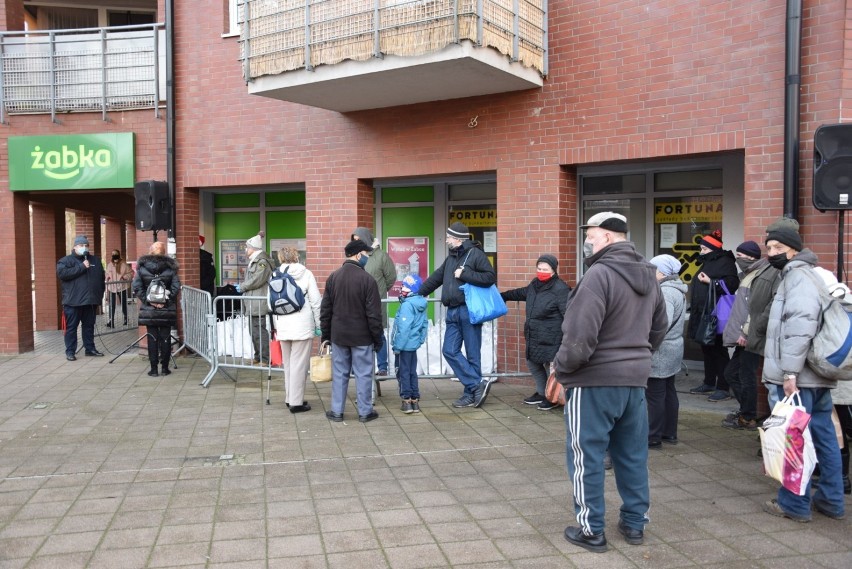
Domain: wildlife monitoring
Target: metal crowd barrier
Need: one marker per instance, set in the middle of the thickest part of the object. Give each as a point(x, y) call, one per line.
point(219, 332)
point(118, 314)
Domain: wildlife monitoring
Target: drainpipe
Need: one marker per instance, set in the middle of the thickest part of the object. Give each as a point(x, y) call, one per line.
point(792, 83)
point(170, 112)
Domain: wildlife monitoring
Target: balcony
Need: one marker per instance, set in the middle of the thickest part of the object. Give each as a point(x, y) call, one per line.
point(349, 55)
point(82, 70)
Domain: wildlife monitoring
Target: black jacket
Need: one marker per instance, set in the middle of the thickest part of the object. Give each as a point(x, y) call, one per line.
point(477, 271)
point(351, 308)
point(147, 267)
point(545, 311)
point(81, 286)
point(719, 265)
point(208, 272)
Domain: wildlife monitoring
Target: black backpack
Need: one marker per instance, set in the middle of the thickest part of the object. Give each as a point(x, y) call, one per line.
point(285, 296)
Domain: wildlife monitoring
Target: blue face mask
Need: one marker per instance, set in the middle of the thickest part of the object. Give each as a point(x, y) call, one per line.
point(362, 260)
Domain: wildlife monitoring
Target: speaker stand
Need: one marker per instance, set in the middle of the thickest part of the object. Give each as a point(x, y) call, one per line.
point(840, 235)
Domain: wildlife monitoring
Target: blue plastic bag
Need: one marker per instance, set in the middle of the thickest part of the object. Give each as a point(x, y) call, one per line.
point(483, 303)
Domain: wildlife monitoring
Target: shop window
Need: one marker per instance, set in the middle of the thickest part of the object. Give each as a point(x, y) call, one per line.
point(680, 222)
point(634, 183)
point(688, 180)
point(633, 209)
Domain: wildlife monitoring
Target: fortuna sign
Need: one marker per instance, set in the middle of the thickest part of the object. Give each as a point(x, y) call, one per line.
point(87, 161)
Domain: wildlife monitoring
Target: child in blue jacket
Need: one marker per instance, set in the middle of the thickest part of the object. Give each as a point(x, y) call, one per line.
point(409, 333)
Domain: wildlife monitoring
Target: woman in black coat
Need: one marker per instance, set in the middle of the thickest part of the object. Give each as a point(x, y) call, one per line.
point(546, 297)
point(158, 317)
point(716, 265)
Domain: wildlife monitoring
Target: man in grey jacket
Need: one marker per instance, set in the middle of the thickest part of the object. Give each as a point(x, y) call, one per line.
point(256, 283)
point(615, 317)
point(793, 322)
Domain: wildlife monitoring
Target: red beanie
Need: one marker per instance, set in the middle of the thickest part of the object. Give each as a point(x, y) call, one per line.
point(712, 241)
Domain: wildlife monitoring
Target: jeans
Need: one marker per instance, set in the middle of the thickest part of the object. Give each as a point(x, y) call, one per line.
point(597, 418)
point(540, 372)
point(741, 373)
point(460, 331)
point(358, 361)
point(829, 492)
point(83, 316)
point(382, 355)
point(663, 407)
point(407, 375)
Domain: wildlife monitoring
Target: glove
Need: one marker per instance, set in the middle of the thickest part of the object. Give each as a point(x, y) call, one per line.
point(317, 332)
point(238, 288)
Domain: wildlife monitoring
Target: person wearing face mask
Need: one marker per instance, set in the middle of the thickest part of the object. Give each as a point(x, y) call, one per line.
point(741, 371)
point(351, 319)
point(615, 318)
point(118, 276)
point(465, 263)
point(794, 319)
point(256, 283)
point(717, 265)
point(208, 269)
point(545, 297)
point(83, 286)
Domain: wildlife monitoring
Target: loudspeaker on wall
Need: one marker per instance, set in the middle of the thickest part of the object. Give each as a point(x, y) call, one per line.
point(833, 167)
point(153, 205)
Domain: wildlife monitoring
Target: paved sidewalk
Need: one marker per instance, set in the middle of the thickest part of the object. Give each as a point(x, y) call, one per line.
point(103, 466)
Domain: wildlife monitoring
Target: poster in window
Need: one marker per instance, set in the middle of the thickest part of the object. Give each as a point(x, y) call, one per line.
point(410, 255)
point(232, 261)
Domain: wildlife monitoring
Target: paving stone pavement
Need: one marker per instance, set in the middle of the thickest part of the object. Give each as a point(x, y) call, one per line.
point(103, 466)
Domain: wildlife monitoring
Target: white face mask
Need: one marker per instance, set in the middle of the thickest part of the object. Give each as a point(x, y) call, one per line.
point(588, 249)
point(81, 250)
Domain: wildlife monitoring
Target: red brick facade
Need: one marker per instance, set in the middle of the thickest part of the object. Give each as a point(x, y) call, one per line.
point(628, 80)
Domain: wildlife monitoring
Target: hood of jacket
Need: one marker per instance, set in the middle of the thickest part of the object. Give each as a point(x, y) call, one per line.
point(363, 234)
point(295, 270)
point(157, 263)
point(623, 259)
point(416, 302)
point(805, 257)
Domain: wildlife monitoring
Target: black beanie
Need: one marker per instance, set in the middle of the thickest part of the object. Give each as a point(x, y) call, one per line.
point(787, 236)
point(550, 260)
point(458, 230)
point(356, 246)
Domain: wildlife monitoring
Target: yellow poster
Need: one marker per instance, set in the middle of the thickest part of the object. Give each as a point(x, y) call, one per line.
point(475, 217)
point(696, 210)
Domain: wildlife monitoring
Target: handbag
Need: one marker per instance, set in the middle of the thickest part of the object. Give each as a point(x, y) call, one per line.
point(724, 306)
point(321, 364)
point(483, 303)
point(788, 450)
point(705, 332)
point(276, 358)
point(554, 391)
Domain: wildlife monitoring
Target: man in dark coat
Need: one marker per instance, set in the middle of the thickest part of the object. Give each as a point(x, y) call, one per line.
point(466, 263)
point(351, 319)
point(158, 317)
point(208, 269)
point(545, 299)
point(615, 318)
point(83, 285)
point(717, 265)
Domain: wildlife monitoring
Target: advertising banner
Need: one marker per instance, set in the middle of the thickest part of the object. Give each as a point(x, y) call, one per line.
point(232, 261)
point(410, 255)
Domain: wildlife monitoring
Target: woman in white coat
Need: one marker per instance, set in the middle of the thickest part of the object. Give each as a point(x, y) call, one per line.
point(296, 331)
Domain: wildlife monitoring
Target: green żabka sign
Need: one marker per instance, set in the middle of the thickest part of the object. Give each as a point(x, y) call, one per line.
point(73, 162)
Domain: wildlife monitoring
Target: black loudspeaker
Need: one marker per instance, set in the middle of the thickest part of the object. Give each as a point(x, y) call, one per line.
point(153, 205)
point(833, 167)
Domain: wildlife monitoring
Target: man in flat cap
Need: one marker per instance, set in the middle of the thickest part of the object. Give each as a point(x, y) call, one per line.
point(466, 263)
point(794, 320)
point(615, 318)
point(351, 319)
point(83, 285)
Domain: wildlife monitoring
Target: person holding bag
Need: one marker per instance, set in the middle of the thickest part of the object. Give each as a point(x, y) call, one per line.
point(717, 265)
point(545, 298)
point(295, 331)
point(159, 317)
point(794, 320)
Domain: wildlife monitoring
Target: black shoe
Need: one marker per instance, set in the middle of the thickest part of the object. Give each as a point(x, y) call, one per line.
point(109, 324)
point(336, 417)
point(481, 393)
point(300, 408)
point(703, 388)
point(166, 371)
point(153, 373)
point(94, 354)
point(655, 444)
point(670, 440)
point(632, 536)
point(593, 543)
point(71, 357)
point(534, 399)
point(371, 416)
point(546, 405)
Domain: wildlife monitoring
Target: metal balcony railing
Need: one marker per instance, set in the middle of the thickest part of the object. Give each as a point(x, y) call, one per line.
point(82, 70)
point(284, 35)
